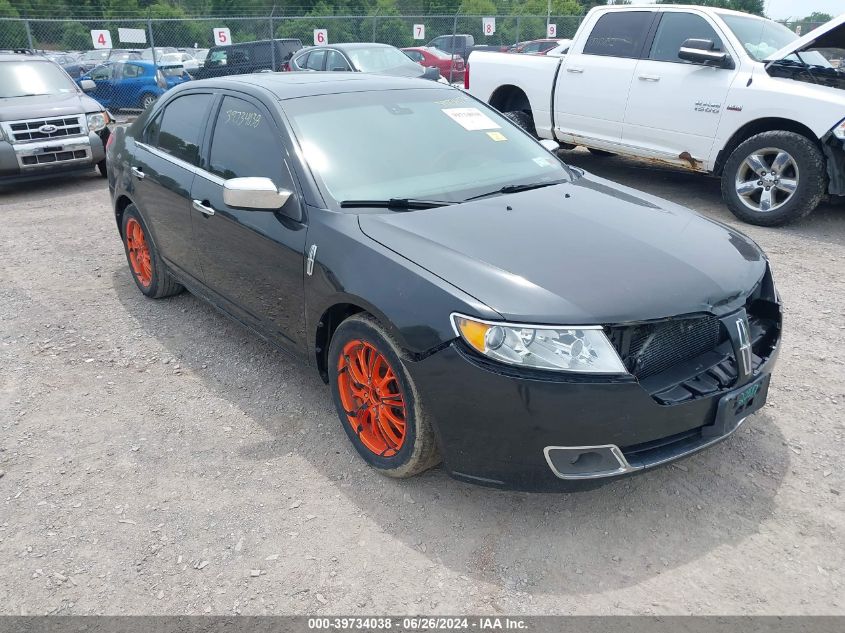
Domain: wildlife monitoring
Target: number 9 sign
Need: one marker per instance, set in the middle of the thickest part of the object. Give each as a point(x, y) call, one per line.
point(222, 37)
point(321, 36)
point(489, 25)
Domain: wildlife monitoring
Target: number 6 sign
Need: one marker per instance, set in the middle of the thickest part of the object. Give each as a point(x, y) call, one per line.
point(419, 31)
point(489, 25)
point(321, 36)
point(222, 37)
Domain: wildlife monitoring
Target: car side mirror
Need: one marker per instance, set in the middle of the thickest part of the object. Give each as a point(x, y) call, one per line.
point(254, 193)
point(339, 69)
point(704, 52)
point(431, 72)
point(87, 85)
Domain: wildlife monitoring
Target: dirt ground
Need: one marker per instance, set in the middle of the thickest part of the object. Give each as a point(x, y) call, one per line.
point(157, 458)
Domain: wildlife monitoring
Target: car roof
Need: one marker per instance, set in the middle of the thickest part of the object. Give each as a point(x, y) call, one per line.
point(354, 45)
point(17, 57)
point(293, 85)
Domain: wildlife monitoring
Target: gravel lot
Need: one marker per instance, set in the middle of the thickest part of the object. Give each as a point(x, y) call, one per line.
point(157, 458)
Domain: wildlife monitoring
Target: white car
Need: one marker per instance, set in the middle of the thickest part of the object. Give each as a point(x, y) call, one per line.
point(188, 62)
point(706, 89)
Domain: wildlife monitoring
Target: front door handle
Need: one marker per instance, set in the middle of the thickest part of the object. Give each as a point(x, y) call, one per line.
point(649, 78)
point(572, 69)
point(205, 210)
point(138, 173)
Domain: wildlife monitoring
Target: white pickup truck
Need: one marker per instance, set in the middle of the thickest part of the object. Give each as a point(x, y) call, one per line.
point(706, 89)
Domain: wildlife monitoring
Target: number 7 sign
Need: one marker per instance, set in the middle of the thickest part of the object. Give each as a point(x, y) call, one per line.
point(419, 31)
point(222, 37)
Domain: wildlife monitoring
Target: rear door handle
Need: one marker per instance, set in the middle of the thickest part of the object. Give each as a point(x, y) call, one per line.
point(571, 69)
point(649, 78)
point(205, 210)
point(138, 173)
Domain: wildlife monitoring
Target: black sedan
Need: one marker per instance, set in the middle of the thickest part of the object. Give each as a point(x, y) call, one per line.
point(467, 296)
point(377, 59)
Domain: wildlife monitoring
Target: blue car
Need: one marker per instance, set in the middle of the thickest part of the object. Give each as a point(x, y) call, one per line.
point(131, 84)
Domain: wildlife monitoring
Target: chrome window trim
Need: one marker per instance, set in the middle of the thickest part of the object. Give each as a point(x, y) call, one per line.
point(214, 178)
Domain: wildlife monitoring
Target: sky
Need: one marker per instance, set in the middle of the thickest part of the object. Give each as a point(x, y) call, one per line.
point(783, 9)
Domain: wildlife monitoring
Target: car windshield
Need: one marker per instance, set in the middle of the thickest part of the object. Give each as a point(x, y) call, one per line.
point(377, 59)
point(461, 147)
point(760, 37)
point(30, 78)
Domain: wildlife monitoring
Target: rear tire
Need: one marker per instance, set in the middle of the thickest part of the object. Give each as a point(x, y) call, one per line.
point(368, 382)
point(523, 120)
point(787, 168)
point(147, 268)
point(147, 100)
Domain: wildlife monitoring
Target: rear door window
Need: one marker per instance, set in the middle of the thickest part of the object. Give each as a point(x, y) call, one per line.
point(315, 60)
point(674, 30)
point(130, 71)
point(182, 125)
point(619, 34)
point(247, 144)
point(336, 61)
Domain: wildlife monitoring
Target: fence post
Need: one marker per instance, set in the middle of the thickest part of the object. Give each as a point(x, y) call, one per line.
point(272, 43)
point(29, 35)
point(518, 29)
point(454, 33)
point(152, 39)
point(375, 23)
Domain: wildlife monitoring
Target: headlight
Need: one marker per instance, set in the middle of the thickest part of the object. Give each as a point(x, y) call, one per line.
point(97, 121)
point(572, 348)
point(839, 130)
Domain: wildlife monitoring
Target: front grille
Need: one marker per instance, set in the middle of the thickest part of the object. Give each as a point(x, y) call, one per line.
point(54, 157)
point(651, 348)
point(27, 131)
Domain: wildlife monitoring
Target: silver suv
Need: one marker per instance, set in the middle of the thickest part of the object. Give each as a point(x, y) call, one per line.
point(47, 123)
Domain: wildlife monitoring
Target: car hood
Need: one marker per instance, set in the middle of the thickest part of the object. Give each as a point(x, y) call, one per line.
point(408, 70)
point(828, 35)
point(45, 106)
point(586, 252)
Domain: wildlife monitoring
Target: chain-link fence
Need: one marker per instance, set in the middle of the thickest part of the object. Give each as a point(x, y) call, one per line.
point(133, 61)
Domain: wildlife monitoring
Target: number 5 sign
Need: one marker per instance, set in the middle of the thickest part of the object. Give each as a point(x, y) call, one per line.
point(101, 39)
point(419, 31)
point(222, 37)
point(551, 30)
point(489, 25)
point(321, 36)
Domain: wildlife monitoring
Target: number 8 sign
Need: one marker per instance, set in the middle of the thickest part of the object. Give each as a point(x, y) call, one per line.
point(222, 37)
point(489, 25)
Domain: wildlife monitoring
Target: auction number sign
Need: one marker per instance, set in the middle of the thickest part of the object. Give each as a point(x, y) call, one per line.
point(489, 25)
point(321, 36)
point(551, 30)
point(222, 37)
point(101, 39)
point(419, 31)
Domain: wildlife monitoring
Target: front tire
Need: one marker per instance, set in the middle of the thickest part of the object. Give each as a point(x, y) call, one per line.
point(774, 178)
point(377, 401)
point(522, 119)
point(147, 100)
point(148, 269)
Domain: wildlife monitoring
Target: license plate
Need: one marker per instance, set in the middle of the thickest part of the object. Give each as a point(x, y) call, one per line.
point(737, 405)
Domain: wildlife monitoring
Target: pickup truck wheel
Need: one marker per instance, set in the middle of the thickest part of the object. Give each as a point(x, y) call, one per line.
point(377, 401)
point(148, 270)
point(599, 152)
point(774, 178)
point(523, 120)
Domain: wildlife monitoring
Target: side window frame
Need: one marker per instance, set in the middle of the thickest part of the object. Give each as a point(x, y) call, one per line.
point(645, 45)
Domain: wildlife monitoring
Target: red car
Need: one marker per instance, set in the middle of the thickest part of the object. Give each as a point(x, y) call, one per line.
point(434, 57)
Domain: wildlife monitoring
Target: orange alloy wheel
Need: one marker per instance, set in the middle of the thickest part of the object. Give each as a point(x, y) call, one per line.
point(372, 398)
point(139, 252)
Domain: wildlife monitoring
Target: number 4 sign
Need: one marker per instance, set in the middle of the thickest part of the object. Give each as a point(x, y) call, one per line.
point(321, 36)
point(222, 37)
point(489, 25)
point(101, 39)
point(419, 31)
point(551, 30)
